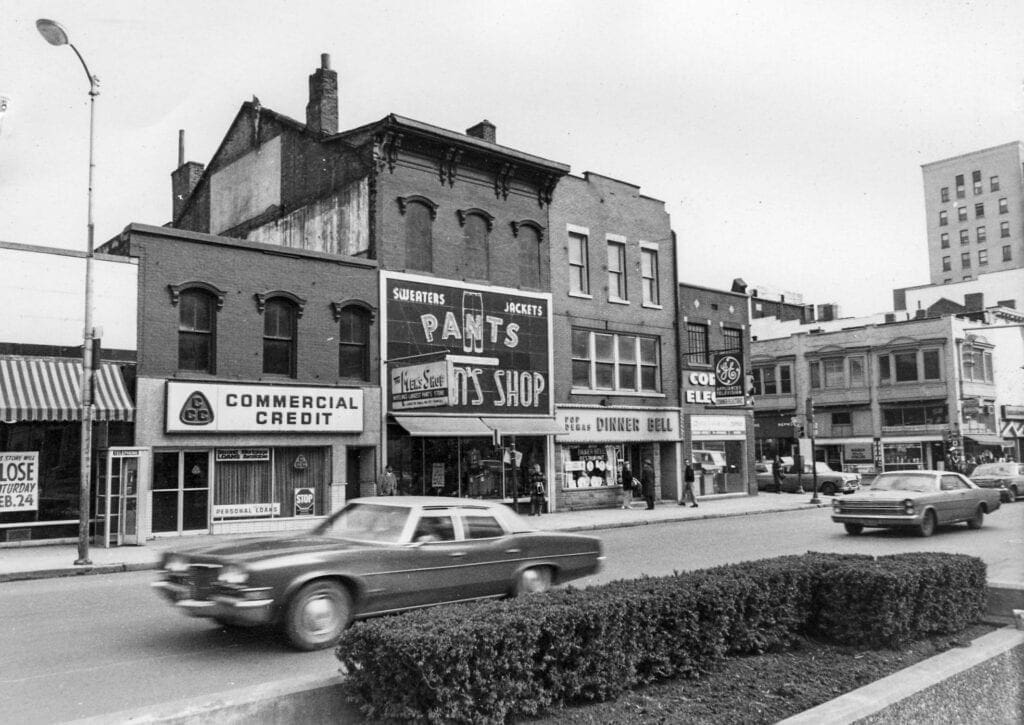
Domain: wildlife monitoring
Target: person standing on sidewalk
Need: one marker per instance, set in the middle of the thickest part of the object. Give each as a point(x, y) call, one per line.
point(688, 487)
point(388, 484)
point(626, 479)
point(777, 474)
point(538, 491)
point(647, 481)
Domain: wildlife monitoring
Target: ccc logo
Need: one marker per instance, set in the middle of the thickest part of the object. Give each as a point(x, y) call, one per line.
point(196, 410)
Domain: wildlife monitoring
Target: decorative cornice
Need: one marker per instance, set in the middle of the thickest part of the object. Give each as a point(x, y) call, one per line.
point(404, 201)
point(338, 307)
point(502, 180)
point(546, 189)
point(528, 223)
point(462, 214)
point(449, 166)
point(263, 297)
point(177, 289)
point(385, 149)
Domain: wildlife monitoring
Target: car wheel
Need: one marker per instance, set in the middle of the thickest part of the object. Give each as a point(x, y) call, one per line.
point(535, 580)
point(828, 489)
point(1013, 494)
point(977, 520)
point(927, 525)
point(317, 615)
point(853, 529)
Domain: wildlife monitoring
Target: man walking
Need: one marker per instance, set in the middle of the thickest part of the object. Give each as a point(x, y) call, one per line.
point(647, 480)
point(688, 487)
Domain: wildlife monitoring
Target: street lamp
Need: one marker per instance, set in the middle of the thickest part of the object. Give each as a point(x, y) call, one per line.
point(55, 34)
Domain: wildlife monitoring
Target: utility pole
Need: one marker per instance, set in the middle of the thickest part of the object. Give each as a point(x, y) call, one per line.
point(814, 468)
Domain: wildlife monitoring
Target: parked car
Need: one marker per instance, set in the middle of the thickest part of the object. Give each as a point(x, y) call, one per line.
point(921, 500)
point(1007, 477)
point(375, 556)
point(830, 482)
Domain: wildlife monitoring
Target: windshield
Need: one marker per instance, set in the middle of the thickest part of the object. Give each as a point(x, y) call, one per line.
point(995, 469)
point(920, 482)
point(367, 522)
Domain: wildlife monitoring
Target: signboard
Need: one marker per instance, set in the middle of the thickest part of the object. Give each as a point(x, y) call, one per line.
point(717, 426)
point(220, 407)
point(305, 502)
point(246, 510)
point(1014, 412)
point(420, 385)
point(226, 455)
point(19, 481)
point(498, 341)
point(617, 424)
point(858, 452)
point(729, 378)
point(437, 475)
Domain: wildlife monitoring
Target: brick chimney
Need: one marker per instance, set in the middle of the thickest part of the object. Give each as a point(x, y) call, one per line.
point(322, 109)
point(183, 179)
point(484, 130)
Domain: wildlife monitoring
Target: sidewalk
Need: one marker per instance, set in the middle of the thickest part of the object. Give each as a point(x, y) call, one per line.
point(57, 560)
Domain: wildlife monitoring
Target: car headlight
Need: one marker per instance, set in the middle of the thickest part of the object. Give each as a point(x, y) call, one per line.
point(233, 574)
point(175, 564)
point(908, 506)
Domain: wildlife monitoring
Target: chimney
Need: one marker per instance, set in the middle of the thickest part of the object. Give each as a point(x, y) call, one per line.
point(322, 109)
point(183, 179)
point(484, 130)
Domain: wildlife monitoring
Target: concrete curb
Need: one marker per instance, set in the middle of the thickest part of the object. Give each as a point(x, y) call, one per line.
point(77, 571)
point(701, 517)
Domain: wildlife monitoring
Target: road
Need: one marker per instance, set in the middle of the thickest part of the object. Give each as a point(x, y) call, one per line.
point(85, 646)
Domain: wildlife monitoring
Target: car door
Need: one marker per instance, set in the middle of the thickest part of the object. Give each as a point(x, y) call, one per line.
point(957, 504)
point(494, 554)
point(442, 562)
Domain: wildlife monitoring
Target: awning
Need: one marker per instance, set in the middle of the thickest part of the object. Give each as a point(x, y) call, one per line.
point(442, 425)
point(986, 440)
point(524, 425)
point(48, 389)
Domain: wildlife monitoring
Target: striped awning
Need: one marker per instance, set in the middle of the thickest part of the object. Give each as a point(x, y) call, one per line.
point(41, 389)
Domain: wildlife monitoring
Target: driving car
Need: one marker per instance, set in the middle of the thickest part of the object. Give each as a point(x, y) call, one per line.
point(376, 555)
point(830, 482)
point(1006, 476)
point(921, 500)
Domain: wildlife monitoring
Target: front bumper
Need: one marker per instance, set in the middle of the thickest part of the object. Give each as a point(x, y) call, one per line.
point(239, 610)
point(876, 520)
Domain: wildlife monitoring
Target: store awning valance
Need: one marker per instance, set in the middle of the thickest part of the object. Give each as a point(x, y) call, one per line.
point(49, 389)
point(436, 426)
point(986, 440)
point(524, 425)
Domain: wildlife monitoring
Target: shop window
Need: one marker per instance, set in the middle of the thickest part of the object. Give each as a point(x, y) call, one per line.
point(579, 272)
point(649, 276)
point(354, 343)
point(419, 213)
point(932, 368)
point(197, 325)
point(606, 361)
point(697, 344)
point(617, 271)
point(279, 337)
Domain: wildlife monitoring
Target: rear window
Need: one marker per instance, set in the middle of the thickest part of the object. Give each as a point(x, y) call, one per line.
point(904, 482)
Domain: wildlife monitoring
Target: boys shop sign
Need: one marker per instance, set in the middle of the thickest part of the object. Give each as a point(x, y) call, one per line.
point(221, 408)
point(617, 425)
point(497, 341)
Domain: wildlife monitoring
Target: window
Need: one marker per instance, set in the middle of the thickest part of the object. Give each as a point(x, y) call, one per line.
point(965, 237)
point(993, 183)
point(579, 275)
point(476, 262)
point(769, 386)
point(842, 417)
point(965, 260)
point(196, 331)
point(354, 343)
point(785, 379)
point(982, 235)
point(732, 340)
point(608, 361)
point(961, 213)
point(976, 364)
point(279, 337)
point(943, 218)
point(960, 186)
point(772, 380)
point(616, 270)
point(1007, 256)
point(979, 211)
point(930, 358)
point(1004, 229)
point(982, 257)
point(697, 344)
point(419, 232)
point(944, 240)
point(856, 372)
point(906, 366)
point(914, 414)
point(976, 180)
point(530, 261)
point(815, 374)
point(834, 373)
point(884, 369)
point(1004, 206)
point(946, 265)
point(944, 193)
point(649, 276)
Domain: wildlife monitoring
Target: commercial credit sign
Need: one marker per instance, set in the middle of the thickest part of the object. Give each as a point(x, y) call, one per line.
point(220, 408)
point(19, 481)
point(497, 340)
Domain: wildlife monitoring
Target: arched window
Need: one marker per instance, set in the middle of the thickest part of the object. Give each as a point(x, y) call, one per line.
point(354, 343)
point(419, 215)
point(197, 327)
point(279, 337)
point(476, 227)
point(528, 234)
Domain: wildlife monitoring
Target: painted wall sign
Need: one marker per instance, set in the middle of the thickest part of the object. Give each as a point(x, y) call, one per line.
point(19, 481)
point(717, 426)
point(729, 379)
point(224, 455)
point(246, 510)
point(498, 340)
point(617, 424)
point(219, 408)
point(421, 385)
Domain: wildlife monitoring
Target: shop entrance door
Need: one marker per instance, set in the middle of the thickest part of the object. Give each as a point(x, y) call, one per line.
point(181, 492)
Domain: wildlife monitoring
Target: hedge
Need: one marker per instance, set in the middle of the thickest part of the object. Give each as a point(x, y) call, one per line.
point(496, 660)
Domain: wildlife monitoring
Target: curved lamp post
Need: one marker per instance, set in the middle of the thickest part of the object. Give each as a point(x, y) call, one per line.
point(55, 34)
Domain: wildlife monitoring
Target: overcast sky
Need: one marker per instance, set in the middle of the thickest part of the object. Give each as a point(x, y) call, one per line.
point(786, 138)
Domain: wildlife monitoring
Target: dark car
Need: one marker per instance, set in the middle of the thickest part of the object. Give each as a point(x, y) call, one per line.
point(920, 500)
point(1006, 476)
point(375, 556)
point(830, 482)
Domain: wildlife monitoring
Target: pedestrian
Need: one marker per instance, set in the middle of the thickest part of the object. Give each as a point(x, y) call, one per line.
point(538, 491)
point(688, 486)
point(647, 482)
point(626, 480)
point(388, 483)
point(777, 474)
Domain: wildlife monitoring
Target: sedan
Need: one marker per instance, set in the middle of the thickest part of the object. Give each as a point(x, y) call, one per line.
point(830, 482)
point(920, 500)
point(375, 556)
point(1007, 477)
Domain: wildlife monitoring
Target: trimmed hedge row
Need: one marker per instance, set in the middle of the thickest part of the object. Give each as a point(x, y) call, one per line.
point(488, 662)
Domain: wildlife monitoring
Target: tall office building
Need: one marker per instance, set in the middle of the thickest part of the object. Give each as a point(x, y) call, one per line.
point(974, 205)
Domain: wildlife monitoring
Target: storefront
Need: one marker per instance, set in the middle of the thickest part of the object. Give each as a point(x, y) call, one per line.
point(468, 396)
point(1012, 431)
point(595, 443)
point(40, 441)
point(774, 434)
point(726, 434)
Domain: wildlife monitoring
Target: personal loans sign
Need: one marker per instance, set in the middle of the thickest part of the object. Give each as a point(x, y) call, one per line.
point(222, 408)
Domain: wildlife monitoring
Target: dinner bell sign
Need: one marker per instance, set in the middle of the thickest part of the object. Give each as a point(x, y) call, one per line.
point(221, 408)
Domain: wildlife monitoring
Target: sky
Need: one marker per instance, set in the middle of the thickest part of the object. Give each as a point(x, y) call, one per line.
point(785, 137)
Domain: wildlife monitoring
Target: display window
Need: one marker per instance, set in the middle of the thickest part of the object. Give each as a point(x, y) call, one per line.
point(270, 483)
point(902, 456)
point(590, 466)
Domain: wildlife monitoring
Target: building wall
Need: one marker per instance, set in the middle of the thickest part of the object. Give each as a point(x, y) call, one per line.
point(1004, 288)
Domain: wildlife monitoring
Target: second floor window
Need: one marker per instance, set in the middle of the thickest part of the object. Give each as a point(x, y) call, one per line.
point(579, 274)
point(354, 343)
point(196, 331)
point(616, 271)
point(279, 337)
point(609, 361)
point(649, 276)
point(772, 380)
point(697, 344)
point(907, 366)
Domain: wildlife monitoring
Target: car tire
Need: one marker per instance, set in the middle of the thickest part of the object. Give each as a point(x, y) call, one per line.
point(1013, 494)
point(927, 526)
point(535, 580)
point(976, 521)
point(828, 489)
point(317, 615)
point(853, 529)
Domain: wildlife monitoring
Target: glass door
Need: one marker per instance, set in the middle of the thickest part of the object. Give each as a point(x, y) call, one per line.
point(181, 492)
